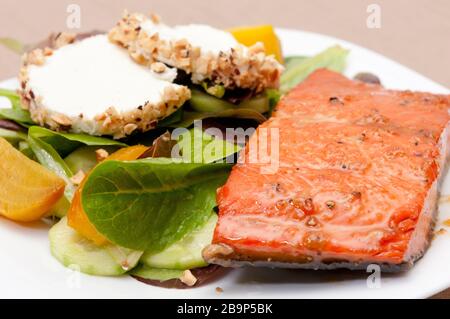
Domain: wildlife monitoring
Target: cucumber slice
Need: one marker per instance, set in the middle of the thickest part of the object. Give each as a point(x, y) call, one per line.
point(84, 158)
point(77, 252)
point(127, 258)
point(186, 253)
point(61, 208)
point(259, 103)
point(203, 102)
point(156, 273)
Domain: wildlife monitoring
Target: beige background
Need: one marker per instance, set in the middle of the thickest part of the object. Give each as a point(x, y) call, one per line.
point(415, 33)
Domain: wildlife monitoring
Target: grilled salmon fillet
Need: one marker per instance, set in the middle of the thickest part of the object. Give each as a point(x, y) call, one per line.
point(357, 181)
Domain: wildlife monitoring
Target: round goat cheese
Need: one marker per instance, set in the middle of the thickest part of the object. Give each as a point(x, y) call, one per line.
point(96, 88)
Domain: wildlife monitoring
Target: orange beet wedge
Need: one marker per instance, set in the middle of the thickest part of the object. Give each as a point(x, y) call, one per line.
point(77, 218)
point(265, 34)
point(27, 189)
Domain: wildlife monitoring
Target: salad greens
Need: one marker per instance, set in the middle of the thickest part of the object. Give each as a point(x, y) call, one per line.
point(197, 146)
point(175, 117)
point(11, 96)
point(25, 148)
point(158, 199)
point(20, 116)
point(85, 139)
point(65, 143)
point(13, 44)
point(49, 147)
point(333, 58)
point(15, 112)
point(14, 137)
point(50, 158)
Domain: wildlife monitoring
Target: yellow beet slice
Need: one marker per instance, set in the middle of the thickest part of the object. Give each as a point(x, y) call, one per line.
point(77, 218)
point(28, 190)
point(264, 33)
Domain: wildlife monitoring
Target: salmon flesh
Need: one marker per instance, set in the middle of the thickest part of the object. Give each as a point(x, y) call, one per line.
point(357, 180)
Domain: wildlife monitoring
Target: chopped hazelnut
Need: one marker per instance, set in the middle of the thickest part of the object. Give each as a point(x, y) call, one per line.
point(101, 154)
point(61, 119)
point(216, 251)
point(78, 177)
point(63, 39)
point(155, 18)
point(129, 128)
point(188, 278)
point(48, 51)
point(36, 57)
point(158, 67)
point(219, 290)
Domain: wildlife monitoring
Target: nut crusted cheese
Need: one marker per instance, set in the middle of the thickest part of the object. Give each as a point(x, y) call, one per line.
point(207, 54)
point(92, 86)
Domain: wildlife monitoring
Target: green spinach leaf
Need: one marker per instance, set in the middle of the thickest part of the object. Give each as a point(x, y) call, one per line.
point(50, 158)
point(14, 137)
point(171, 119)
point(65, 143)
point(12, 96)
point(14, 45)
point(15, 112)
point(26, 150)
point(151, 203)
point(197, 146)
point(49, 147)
point(17, 115)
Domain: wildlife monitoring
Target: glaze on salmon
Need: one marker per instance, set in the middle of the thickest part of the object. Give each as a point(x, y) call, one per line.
point(358, 178)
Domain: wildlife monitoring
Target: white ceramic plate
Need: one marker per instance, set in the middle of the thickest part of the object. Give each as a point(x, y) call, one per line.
point(28, 270)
